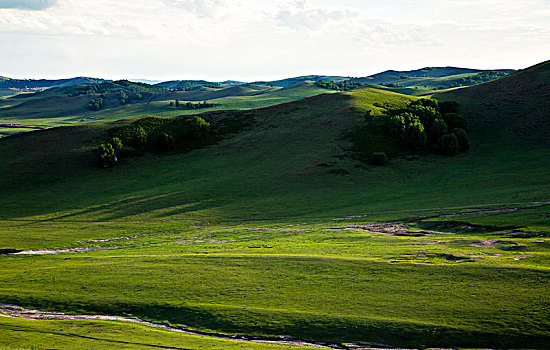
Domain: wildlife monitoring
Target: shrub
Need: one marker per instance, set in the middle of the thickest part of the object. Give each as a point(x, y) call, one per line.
point(415, 136)
point(448, 144)
point(379, 158)
point(463, 139)
point(117, 145)
point(105, 155)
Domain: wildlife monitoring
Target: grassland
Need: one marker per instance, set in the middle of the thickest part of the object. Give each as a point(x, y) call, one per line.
point(86, 334)
point(258, 234)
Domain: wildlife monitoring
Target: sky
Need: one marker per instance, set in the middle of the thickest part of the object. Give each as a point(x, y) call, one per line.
point(250, 40)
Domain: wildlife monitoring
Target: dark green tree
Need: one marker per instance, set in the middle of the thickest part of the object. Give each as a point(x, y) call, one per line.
point(415, 136)
point(425, 102)
point(105, 155)
point(140, 136)
point(117, 145)
point(165, 142)
point(463, 139)
point(448, 144)
point(396, 126)
point(438, 129)
point(449, 107)
point(455, 121)
point(426, 114)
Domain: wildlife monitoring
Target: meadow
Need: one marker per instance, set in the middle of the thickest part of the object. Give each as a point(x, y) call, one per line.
point(280, 228)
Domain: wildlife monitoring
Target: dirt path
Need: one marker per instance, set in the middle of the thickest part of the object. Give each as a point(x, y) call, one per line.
point(15, 311)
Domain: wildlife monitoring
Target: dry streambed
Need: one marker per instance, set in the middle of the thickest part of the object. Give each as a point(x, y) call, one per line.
point(8, 310)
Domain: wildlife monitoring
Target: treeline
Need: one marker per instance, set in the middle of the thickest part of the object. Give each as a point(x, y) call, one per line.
point(423, 126)
point(345, 85)
point(190, 105)
point(153, 134)
point(118, 86)
point(121, 98)
point(478, 78)
point(189, 85)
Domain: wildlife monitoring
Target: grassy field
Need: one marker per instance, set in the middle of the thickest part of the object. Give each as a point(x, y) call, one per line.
point(259, 233)
point(87, 334)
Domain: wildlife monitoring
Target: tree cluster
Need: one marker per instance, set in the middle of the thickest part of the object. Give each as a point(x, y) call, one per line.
point(422, 126)
point(428, 125)
point(190, 105)
point(345, 85)
point(146, 132)
point(95, 104)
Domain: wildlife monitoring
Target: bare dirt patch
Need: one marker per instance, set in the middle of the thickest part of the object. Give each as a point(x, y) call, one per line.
point(66, 250)
point(498, 244)
point(393, 229)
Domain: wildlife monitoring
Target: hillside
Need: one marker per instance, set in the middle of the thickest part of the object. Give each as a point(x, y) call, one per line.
point(514, 108)
point(277, 228)
point(432, 78)
point(70, 105)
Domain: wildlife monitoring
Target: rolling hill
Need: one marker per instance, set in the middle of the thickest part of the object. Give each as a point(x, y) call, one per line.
point(514, 108)
point(278, 228)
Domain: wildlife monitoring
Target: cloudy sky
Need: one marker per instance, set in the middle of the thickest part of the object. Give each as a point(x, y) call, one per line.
point(265, 39)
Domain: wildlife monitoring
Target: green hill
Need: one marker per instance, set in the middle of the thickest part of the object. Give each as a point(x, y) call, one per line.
point(44, 83)
point(277, 228)
point(69, 106)
point(513, 109)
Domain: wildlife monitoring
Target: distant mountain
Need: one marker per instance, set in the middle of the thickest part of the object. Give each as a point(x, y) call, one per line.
point(296, 80)
point(189, 85)
point(146, 81)
point(435, 78)
point(9, 83)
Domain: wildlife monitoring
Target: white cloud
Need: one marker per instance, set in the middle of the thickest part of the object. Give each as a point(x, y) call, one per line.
point(254, 40)
point(27, 4)
point(201, 8)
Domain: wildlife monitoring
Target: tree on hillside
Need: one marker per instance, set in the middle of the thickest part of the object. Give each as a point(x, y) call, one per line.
point(396, 125)
point(455, 121)
point(140, 136)
point(105, 155)
point(463, 139)
point(117, 145)
point(449, 107)
point(448, 144)
point(165, 142)
point(438, 129)
point(415, 136)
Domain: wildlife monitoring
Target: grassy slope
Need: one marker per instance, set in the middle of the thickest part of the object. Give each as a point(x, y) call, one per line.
point(280, 168)
point(309, 280)
point(513, 110)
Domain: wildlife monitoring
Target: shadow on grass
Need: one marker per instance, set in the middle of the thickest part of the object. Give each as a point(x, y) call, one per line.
point(307, 327)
